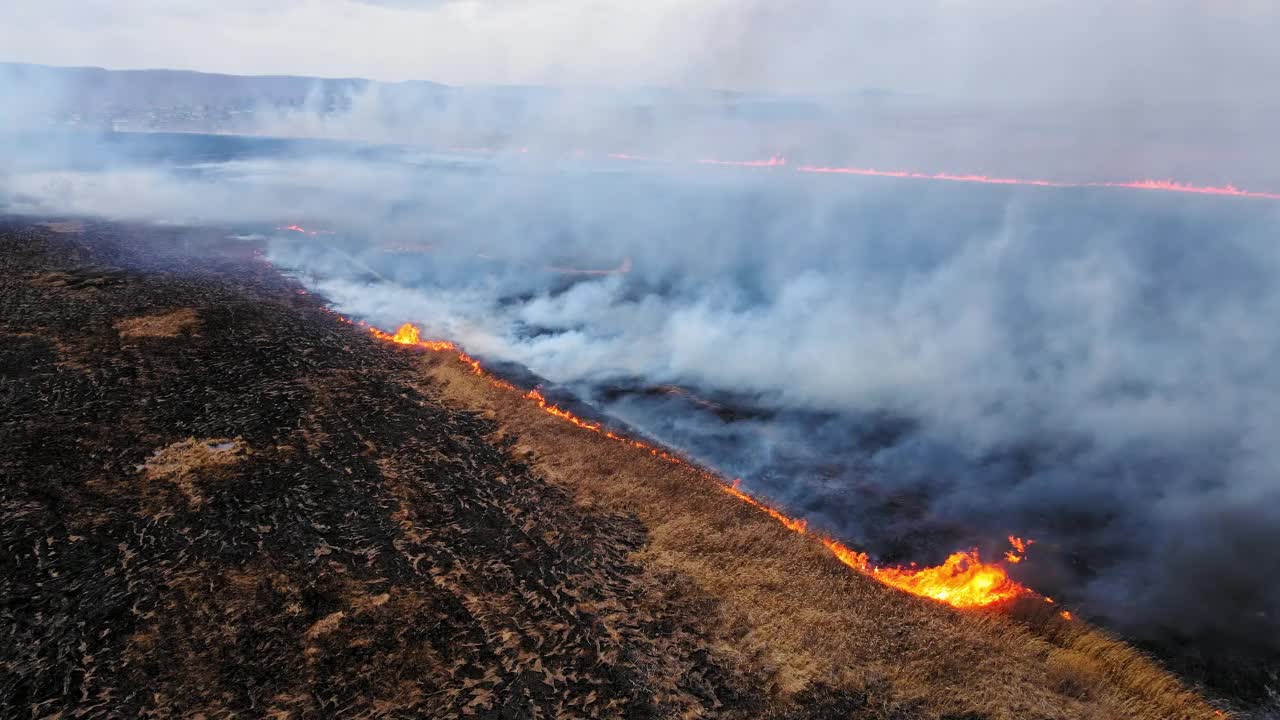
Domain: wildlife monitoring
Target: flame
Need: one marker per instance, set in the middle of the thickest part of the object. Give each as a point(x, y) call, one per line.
point(798, 526)
point(778, 161)
point(1160, 185)
point(304, 231)
point(872, 172)
point(1019, 551)
point(962, 581)
point(1174, 186)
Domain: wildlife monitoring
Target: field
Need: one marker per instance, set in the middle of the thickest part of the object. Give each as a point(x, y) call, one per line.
point(219, 499)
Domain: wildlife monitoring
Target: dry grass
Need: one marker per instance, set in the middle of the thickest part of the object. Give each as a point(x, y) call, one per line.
point(184, 463)
point(64, 227)
point(166, 324)
point(787, 604)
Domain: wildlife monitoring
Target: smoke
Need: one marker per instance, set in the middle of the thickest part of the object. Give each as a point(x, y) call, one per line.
point(914, 366)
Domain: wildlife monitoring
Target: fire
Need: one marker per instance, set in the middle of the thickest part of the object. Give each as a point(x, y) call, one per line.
point(779, 161)
point(301, 230)
point(1174, 186)
point(1019, 550)
point(872, 172)
point(962, 581)
point(1160, 185)
point(799, 526)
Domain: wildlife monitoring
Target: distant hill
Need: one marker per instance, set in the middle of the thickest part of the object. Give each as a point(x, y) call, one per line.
point(93, 89)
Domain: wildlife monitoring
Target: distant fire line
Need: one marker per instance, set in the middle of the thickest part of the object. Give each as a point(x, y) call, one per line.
point(780, 162)
point(962, 581)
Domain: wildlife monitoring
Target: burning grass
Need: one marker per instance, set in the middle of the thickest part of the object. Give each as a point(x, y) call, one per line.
point(786, 601)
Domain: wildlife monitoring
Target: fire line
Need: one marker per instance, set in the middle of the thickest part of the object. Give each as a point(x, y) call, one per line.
point(779, 162)
point(963, 580)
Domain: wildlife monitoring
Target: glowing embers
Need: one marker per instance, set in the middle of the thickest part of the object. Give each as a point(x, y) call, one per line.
point(962, 581)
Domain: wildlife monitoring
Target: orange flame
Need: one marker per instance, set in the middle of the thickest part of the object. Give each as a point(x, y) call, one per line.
point(1016, 555)
point(1161, 185)
point(778, 161)
point(962, 581)
point(799, 526)
point(1174, 186)
point(299, 229)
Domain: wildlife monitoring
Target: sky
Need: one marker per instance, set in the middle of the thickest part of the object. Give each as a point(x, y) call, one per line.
point(1136, 50)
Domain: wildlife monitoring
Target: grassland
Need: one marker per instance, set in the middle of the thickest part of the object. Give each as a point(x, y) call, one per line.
point(786, 605)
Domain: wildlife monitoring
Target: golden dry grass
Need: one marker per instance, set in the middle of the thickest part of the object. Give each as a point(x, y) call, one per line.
point(184, 463)
point(65, 227)
point(786, 605)
point(166, 324)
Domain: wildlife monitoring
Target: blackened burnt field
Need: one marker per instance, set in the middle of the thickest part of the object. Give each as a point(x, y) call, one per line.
point(218, 498)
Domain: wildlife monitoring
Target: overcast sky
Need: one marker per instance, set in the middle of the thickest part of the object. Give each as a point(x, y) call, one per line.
point(1219, 50)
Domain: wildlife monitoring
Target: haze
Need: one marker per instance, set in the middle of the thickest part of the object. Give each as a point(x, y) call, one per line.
point(1134, 52)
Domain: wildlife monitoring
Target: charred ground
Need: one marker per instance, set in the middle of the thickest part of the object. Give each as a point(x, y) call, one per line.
point(217, 498)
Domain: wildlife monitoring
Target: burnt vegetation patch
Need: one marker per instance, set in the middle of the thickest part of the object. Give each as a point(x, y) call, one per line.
point(233, 504)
